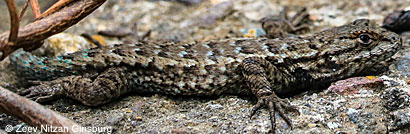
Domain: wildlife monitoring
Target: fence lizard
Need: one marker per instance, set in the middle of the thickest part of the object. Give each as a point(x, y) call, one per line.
point(260, 67)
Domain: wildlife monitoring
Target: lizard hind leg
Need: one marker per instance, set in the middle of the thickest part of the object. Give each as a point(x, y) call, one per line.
point(108, 86)
point(254, 70)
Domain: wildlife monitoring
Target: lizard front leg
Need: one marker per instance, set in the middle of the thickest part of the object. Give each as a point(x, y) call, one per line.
point(107, 86)
point(255, 70)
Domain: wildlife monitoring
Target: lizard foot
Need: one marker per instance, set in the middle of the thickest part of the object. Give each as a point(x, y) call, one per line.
point(42, 93)
point(275, 104)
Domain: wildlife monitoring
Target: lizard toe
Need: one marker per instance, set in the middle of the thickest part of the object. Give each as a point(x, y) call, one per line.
point(23, 92)
point(41, 93)
point(288, 107)
point(255, 108)
point(34, 82)
point(275, 105)
point(44, 98)
point(34, 93)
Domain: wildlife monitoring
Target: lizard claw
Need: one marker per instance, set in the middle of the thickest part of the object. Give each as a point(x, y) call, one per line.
point(41, 93)
point(23, 92)
point(275, 104)
point(256, 108)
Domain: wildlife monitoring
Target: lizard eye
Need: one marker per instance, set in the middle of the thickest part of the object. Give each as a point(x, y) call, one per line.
point(365, 38)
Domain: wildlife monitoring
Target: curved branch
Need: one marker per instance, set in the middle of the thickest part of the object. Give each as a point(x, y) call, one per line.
point(14, 22)
point(32, 113)
point(35, 8)
point(54, 8)
point(33, 33)
point(23, 10)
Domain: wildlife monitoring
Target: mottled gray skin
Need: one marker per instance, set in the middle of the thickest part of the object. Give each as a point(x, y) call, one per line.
point(262, 67)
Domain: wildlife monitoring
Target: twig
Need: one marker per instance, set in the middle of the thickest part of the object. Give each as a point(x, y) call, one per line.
point(14, 22)
point(91, 39)
point(146, 34)
point(23, 10)
point(116, 34)
point(35, 8)
point(30, 35)
point(31, 112)
point(55, 7)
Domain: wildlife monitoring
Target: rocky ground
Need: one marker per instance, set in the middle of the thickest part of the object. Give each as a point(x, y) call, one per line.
point(379, 104)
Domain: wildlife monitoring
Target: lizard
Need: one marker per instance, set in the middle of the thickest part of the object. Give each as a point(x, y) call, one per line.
point(264, 68)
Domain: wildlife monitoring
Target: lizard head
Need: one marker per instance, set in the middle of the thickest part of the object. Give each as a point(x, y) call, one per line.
point(373, 42)
point(357, 46)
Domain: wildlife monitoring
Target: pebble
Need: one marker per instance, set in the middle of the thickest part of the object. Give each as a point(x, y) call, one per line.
point(365, 91)
point(401, 118)
point(398, 21)
point(256, 10)
point(332, 125)
point(391, 82)
point(64, 43)
point(214, 119)
point(353, 115)
point(214, 107)
point(178, 131)
point(253, 32)
point(350, 85)
point(188, 2)
point(380, 129)
point(114, 119)
point(395, 99)
point(134, 123)
point(311, 125)
point(138, 118)
point(215, 12)
point(404, 65)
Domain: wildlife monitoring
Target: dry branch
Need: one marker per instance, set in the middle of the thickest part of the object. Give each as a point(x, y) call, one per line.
point(55, 7)
point(31, 112)
point(23, 10)
point(35, 8)
point(14, 22)
point(31, 35)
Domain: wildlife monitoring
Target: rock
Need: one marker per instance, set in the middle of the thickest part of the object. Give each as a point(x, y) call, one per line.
point(353, 115)
point(395, 98)
point(215, 12)
point(401, 118)
point(333, 125)
point(114, 119)
point(214, 107)
point(398, 21)
point(403, 65)
point(351, 85)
